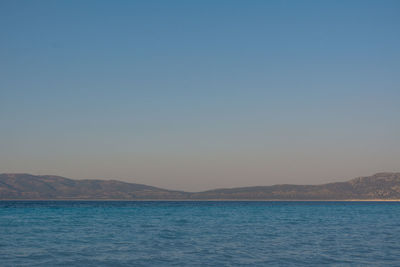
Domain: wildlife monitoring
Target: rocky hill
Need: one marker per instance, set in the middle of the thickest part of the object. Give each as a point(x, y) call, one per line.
point(26, 186)
point(378, 186)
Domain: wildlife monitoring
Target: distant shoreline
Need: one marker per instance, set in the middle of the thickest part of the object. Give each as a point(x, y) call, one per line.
point(26, 187)
point(212, 200)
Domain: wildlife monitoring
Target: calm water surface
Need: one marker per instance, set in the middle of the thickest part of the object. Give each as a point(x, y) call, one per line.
point(199, 233)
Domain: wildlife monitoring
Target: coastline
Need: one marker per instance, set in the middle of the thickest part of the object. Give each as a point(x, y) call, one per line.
point(210, 200)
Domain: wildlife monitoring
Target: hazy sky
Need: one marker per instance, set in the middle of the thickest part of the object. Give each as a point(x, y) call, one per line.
point(200, 94)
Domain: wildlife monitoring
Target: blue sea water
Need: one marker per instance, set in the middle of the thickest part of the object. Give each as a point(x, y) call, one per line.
point(73, 233)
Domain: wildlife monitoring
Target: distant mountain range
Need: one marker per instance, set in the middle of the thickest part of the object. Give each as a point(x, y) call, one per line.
point(45, 187)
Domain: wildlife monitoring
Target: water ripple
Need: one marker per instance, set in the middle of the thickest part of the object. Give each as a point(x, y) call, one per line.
point(199, 233)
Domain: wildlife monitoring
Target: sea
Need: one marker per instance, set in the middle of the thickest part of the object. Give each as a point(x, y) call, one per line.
point(203, 233)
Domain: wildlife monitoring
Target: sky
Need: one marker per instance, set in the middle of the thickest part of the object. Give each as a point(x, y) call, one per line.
point(195, 95)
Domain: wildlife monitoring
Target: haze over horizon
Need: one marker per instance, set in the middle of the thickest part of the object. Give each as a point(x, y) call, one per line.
point(194, 96)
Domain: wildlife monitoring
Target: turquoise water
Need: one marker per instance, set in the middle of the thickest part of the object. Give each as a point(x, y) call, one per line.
point(199, 233)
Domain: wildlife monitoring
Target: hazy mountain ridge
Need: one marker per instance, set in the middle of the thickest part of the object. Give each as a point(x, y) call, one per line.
point(27, 186)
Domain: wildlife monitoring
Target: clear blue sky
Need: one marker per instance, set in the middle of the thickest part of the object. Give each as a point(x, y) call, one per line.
point(200, 94)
